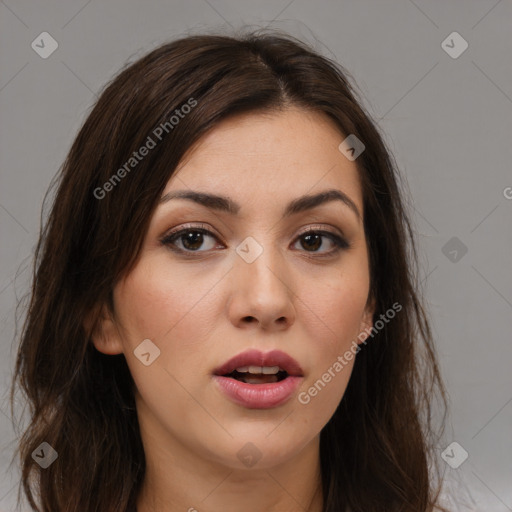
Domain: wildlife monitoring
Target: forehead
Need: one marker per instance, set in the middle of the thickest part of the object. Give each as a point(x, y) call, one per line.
point(274, 156)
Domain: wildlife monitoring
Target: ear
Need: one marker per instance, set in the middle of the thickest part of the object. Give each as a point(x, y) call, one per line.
point(102, 331)
point(366, 320)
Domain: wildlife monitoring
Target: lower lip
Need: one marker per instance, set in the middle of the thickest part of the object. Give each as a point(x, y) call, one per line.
point(258, 396)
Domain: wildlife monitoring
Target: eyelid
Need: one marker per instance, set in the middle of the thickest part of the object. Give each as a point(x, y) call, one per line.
point(190, 226)
point(322, 227)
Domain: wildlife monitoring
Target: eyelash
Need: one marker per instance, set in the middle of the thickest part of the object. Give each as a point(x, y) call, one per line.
point(169, 239)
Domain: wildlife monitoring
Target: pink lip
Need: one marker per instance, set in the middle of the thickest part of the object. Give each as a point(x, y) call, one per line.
point(259, 396)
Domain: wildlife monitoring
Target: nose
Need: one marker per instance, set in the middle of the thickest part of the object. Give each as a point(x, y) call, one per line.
point(261, 294)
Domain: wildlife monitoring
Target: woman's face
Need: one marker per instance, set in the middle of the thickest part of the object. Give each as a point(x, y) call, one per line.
point(255, 282)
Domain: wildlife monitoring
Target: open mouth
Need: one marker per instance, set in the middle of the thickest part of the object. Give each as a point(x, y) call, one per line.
point(258, 375)
point(257, 380)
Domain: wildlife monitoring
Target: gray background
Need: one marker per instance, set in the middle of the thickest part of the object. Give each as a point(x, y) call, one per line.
point(447, 120)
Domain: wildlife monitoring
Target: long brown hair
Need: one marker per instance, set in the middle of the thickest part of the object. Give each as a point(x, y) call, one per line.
point(377, 449)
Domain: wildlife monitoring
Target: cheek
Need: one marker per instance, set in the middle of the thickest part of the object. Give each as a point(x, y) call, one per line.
point(335, 309)
point(332, 317)
point(175, 310)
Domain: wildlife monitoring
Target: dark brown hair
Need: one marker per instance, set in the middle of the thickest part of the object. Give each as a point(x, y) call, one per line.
point(377, 449)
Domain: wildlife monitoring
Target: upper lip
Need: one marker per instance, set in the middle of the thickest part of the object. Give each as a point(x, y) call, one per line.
point(256, 358)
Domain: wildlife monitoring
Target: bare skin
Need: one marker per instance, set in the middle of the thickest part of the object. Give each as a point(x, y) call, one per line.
point(207, 304)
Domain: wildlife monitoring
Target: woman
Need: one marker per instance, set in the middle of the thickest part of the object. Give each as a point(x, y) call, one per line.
point(225, 313)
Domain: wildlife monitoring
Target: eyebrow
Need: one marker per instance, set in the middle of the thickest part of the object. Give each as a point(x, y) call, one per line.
point(301, 204)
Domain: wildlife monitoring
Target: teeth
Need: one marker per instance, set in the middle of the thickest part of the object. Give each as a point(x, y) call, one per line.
point(258, 370)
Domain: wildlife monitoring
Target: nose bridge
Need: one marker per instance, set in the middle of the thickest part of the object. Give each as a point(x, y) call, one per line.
point(261, 255)
point(261, 263)
point(261, 288)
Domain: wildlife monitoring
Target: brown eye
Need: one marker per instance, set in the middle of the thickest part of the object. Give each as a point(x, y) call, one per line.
point(190, 239)
point(313, 240)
